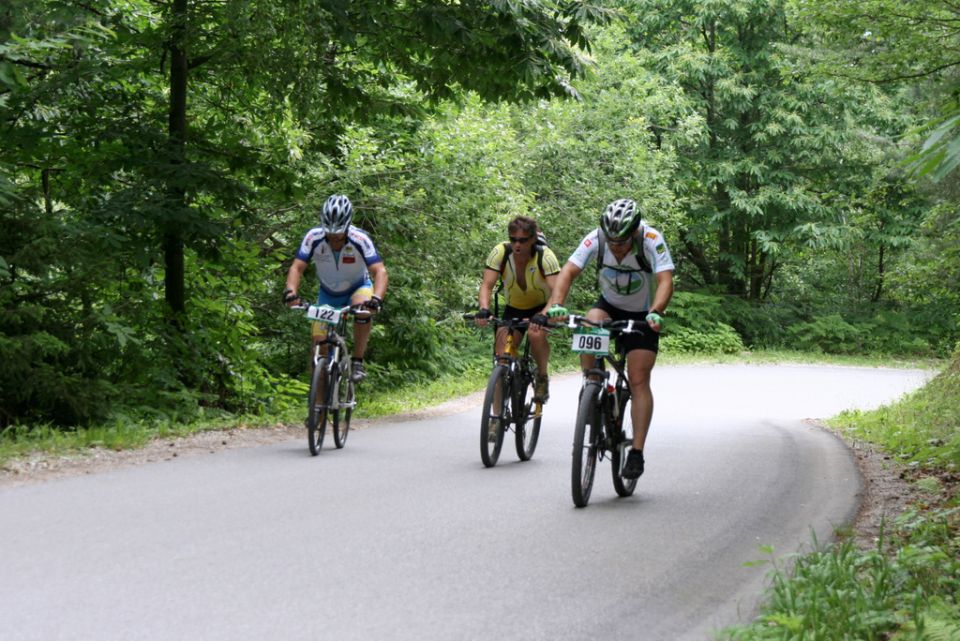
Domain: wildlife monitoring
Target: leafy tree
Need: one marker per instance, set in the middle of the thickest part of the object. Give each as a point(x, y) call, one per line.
point(781, 150)
point(154, 138)
point(887, 42)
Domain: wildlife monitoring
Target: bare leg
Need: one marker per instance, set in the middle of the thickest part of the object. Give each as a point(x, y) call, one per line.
point(540, 348)
point(587, 361)
point(500, 346)
point(639, 365)
point(361, 331)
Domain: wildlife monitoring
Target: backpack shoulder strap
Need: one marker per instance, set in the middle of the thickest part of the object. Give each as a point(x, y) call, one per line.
point(539, 250)
point(601, 245)
point(507, 250)
point(641, 255)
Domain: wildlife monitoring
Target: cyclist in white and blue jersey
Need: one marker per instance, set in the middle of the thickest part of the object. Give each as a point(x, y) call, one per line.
point(349, 269)
point(635, 277)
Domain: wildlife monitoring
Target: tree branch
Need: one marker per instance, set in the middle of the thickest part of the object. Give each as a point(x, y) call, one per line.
point(26, 63)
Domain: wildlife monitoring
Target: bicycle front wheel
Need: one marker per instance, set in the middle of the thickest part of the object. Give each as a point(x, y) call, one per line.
point(623, 486)
point(496, 416)
point(527, 419)
point(344, 401)
point(317, 408)
point(586, 437)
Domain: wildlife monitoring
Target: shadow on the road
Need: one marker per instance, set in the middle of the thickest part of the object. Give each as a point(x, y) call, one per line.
point(614, 502)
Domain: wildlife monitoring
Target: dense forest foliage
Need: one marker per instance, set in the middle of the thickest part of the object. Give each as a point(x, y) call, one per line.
point(161, 160)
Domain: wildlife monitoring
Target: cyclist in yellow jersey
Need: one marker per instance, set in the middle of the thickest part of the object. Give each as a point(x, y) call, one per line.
point(528, 271)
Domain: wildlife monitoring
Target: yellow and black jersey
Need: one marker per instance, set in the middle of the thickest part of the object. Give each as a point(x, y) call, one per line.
point(535, 291)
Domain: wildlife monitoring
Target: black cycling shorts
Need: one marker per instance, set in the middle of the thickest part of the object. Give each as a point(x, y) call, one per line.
point(641, 338)
point(520, 314)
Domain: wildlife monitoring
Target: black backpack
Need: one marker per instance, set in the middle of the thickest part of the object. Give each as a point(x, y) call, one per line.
point(538, 248)
point(641, 257)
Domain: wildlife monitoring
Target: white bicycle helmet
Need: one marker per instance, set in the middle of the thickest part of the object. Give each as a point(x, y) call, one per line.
point(620, 219)
point(336, 215)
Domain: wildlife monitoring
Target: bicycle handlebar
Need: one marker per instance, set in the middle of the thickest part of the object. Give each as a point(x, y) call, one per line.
point(513, 323)
point(357, 310)
point(623, 326)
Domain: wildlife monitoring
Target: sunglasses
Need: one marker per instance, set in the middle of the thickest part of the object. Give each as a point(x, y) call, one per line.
point(518, 239)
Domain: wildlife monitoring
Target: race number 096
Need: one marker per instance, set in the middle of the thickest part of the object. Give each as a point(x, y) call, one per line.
point(589, 343)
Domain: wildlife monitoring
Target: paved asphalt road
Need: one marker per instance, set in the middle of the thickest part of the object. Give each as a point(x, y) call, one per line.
point(403, 535)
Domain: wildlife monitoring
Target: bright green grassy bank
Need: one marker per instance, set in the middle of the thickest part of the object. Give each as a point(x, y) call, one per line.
point(908, 586)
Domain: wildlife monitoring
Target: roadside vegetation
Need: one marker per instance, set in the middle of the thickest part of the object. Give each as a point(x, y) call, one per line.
point(907, 585)
point(130, 432)
point(161, 162)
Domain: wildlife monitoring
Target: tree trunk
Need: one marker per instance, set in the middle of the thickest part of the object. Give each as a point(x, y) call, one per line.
point(177, 131)
point(881, 268)
point(45, 183)
point(758, 269)
point(699, 258)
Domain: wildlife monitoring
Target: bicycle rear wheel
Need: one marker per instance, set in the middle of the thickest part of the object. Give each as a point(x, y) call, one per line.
point(586, 436)
point(496, 416)
point(344, 403)
point(317, 408)
point(623, 486)
point(527, 417)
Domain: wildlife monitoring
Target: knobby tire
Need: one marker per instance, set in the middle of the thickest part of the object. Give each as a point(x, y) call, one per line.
point(500, 411)
point(623, 486)
point(316, 410)
point(527, 418)
point(586, 435)
point(344, 400)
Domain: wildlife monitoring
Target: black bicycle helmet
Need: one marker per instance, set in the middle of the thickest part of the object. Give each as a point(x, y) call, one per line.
point(620, 219)
point(336, 214)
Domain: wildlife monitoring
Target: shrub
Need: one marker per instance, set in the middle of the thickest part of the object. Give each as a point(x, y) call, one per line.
point(718, 339)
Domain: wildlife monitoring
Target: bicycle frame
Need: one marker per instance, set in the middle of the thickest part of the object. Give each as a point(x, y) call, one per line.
point(598, 431)
point(330, 345)
point(507, 406)
point(515, 362)
point(331, 337)
point(608, 399)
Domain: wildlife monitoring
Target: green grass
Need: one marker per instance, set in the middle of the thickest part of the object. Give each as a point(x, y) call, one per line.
point(769, 357)
point(908, 587)
point(119, 434)
point(923, 429)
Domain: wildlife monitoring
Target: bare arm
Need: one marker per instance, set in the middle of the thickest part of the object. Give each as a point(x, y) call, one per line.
point(662, 298)
point(562, 283)
point(294, 275)
point(664, 291)
point(486, 293)
point(486, 288)
point(378, 271)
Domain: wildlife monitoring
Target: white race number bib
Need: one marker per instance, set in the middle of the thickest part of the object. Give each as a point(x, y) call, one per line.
point(324, 314)
point(592, 340)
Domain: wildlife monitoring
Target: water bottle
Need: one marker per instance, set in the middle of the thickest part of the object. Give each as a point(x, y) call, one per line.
point(612, 395)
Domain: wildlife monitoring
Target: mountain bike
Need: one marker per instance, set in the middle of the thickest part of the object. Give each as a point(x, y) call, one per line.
point(600, 430)
point(332, 392)
point(509, 397)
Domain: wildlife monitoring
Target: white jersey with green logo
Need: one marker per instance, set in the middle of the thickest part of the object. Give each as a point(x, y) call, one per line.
point(625, 284)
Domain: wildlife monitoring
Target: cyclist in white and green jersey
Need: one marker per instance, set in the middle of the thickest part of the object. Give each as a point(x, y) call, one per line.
point(635, 274)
